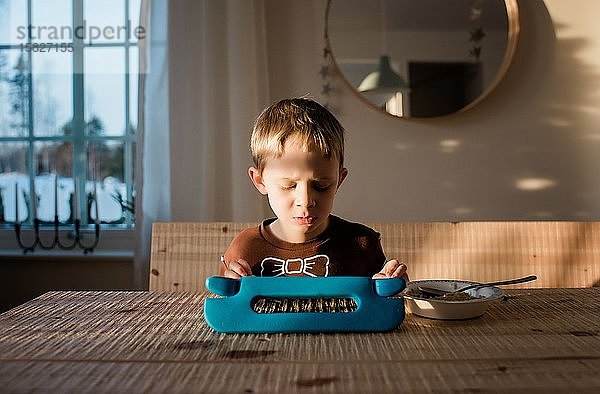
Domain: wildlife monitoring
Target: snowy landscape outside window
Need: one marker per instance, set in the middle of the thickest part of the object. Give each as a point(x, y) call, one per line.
point(68, 110)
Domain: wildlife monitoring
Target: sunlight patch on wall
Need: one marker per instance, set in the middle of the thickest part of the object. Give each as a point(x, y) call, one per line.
point(449, 146)
point(526, 149)
point(461, 211)
point(557, 122)
point(593, 137)
point(449, 184)
point(402, 146)
point(534, 184)
point(542, 215)
point(589, 109)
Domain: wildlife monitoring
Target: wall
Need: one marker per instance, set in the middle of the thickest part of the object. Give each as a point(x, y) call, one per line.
point(26, 277)
point(540, 124)
point(531, 150)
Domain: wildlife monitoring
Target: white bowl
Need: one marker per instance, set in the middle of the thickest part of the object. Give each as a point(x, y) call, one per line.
point(435, 308)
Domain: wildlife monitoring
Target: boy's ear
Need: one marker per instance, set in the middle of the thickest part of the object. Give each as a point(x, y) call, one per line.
point(257, 180)
point(343, 175)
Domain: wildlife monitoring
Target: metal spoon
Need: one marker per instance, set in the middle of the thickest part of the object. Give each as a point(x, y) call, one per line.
point(439, 292)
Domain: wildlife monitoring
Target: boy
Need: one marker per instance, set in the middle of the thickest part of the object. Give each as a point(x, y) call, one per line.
point(297, 147)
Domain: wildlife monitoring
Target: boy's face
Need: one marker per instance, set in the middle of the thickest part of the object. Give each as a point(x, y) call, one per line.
point(301, 187)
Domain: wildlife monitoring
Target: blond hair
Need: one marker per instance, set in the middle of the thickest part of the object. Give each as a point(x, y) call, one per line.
point(301, 118)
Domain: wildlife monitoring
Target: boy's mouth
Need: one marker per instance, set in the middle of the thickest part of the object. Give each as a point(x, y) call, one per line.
point(304, 219)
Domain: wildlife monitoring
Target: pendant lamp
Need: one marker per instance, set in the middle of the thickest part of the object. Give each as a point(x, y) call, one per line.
point(383, 79)
point(384, 87)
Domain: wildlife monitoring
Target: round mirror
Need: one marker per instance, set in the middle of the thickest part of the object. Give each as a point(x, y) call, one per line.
point(421, 58)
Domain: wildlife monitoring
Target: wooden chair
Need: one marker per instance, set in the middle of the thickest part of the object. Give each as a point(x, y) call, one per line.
point(560, 253)
point(183, 255)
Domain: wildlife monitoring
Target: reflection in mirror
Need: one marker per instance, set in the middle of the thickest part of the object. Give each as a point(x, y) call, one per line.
point(421, 58)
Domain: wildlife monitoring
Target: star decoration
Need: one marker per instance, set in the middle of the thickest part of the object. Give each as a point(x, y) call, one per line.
point(324, 71)
point(326, 89)
point(475, 52)
point(474, 14)
point(477, 34)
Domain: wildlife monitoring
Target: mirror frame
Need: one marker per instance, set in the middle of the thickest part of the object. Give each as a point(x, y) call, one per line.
point(512, 13)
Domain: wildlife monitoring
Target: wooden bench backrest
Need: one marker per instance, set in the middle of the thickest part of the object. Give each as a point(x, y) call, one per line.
point(561, 254)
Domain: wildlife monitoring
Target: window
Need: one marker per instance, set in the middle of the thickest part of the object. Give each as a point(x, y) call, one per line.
point(68, 110)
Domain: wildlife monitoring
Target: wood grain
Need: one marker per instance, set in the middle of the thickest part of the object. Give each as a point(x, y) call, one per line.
point(183, 255)
point(540, 340)
point(561, 254)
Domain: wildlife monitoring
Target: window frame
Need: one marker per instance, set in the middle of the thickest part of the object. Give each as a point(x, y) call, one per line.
point(114, 237)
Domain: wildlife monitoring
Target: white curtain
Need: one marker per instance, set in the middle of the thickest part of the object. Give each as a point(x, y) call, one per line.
point(205, 82)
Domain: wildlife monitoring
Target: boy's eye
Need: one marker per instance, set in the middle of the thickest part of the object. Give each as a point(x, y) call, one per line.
point(321, 188)
point(316, 186)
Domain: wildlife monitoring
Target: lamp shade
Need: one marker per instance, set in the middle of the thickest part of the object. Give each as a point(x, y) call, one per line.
point(383, 79)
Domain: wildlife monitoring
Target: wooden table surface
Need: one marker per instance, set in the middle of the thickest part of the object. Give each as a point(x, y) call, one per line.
point(535, 340)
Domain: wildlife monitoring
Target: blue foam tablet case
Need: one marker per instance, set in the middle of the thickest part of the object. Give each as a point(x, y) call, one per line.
point(233, 313)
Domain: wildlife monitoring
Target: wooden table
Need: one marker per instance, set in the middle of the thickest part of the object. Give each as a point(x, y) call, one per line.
point(536, 340)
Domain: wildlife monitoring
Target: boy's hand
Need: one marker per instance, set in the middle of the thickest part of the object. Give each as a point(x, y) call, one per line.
point(236, 269)
point(392, 269)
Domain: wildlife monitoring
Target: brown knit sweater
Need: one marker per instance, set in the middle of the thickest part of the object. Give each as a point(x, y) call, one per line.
point(343, 249)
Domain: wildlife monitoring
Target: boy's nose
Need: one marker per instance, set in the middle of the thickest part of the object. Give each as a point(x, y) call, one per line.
point(304, 197)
